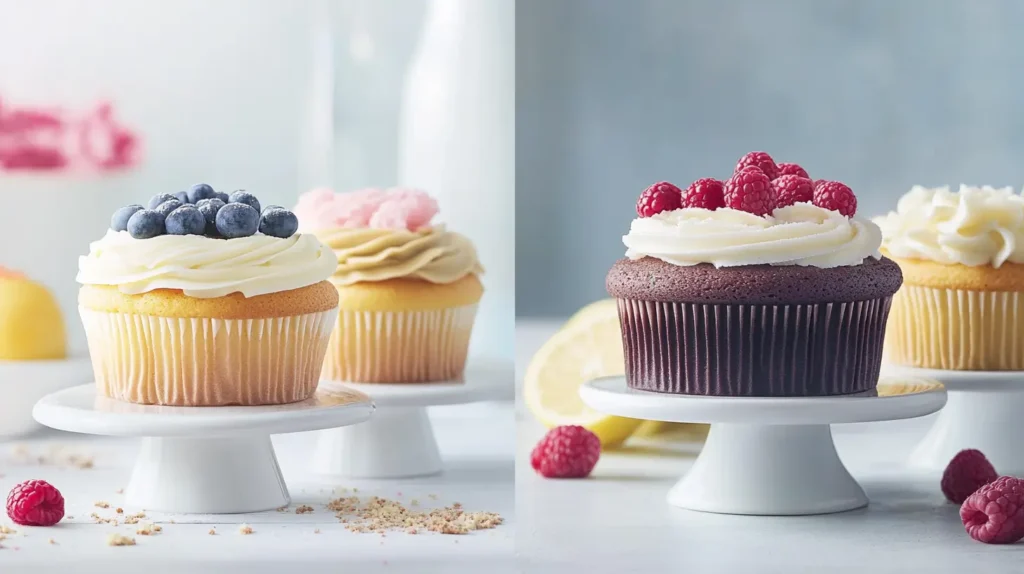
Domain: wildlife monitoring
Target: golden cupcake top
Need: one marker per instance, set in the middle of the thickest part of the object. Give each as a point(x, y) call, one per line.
point(974, 226)
point(377, 235)
point(206, 244)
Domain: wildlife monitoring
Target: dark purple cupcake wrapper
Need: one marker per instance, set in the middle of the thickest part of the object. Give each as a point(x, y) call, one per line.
point(753, 350)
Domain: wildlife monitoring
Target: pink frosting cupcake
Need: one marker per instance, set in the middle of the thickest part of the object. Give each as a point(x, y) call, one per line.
point(408, 288)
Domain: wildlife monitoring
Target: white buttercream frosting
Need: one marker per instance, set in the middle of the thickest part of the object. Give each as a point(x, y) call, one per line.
point(973, 226)
point(799, 234)
point(203, 267)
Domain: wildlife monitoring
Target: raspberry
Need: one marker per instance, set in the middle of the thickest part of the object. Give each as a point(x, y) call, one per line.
point(790, 189)
point(35, 503)
point(662, 196)
point(705, 193)
point(994, 514)
point(792, 169)
point(750, 190)
point(967, 472)
point(761, 160)
point(836, 197)
point(566, 452)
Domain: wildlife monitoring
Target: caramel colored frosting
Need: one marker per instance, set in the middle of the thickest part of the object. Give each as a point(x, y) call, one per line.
point(431, 254)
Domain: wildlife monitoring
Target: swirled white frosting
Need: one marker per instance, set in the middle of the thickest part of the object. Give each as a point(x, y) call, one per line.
point(203, 267)
point(974, 226)
point(799, 234)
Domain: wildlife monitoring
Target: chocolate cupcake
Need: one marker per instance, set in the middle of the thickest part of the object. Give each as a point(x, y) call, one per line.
point(722, 301)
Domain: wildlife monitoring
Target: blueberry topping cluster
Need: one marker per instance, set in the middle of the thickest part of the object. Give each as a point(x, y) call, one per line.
point(203, 211)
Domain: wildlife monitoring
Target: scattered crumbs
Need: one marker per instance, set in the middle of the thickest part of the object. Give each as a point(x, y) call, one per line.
point(283, 509)
point(212, 532)
point(119, 510)
point(120, 491)
point(136, 518)
point(245, 529)
point(7, 530)
point(317, 531)
point(101, 504)
point(172, 522)
point(115, 539)
point(456, 505)
point(379, 515)
point(304, 509)
point(52, 541)
point(148, 529)
point(414, 502)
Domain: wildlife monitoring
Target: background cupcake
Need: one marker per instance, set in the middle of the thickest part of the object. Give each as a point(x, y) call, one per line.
point(206, 299)
point(408, 288)
point(764, 285)
point(962, 256)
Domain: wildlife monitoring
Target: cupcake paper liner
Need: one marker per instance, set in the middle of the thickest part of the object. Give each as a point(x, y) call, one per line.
point(205, 361)
point(400, 346)
point(956, 329)
point(753, 350)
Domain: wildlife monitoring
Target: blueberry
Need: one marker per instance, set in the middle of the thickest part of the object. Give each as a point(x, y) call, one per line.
point(167, 207)
point(119, 221)
point(145, 224)
point(158, 199)
point(186, 220)
point(242, 196)
point(200, 191)
point(223, 197)
point(209, 209)
point(182, 196)
point(279, 223)
point(237, 220)
point(269, 207)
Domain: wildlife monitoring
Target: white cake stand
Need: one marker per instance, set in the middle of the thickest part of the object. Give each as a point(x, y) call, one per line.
point(767, 456)
point(398, 442)
point(202, 460)
point(984, 412)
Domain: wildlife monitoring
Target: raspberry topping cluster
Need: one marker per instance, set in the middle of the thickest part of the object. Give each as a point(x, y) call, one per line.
point(758, 185)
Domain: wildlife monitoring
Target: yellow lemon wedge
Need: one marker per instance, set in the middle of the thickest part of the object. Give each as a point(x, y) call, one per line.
point(588, 346)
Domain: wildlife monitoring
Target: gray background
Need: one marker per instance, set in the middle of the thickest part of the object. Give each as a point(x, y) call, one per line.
point(613, 95)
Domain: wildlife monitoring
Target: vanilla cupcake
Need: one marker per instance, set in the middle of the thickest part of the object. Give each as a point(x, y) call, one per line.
point(962, 256)
point(198, 301)
point(408, 289)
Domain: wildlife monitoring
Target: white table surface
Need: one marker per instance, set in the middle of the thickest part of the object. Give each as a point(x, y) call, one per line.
point(617, 520)
point(479, 475)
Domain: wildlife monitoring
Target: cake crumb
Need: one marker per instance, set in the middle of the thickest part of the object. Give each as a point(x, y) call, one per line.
point(414, 502)
point(116, 539)
point(283, 509)
point(245, 529)
point(7, 530)
point(148, 529)
point(304, 509)
point(212, 532)
point(69, 517)
point(101, 504)
point(136, 518)
point(432, 496)
point(119, 510)
point(52, 541)
point(316, 531)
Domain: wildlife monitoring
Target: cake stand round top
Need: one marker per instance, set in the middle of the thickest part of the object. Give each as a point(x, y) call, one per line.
point(962, 380)
point(80, 409)
point(482, 381)
point(898, 397)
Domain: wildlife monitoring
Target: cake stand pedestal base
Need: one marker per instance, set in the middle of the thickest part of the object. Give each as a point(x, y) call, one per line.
point(399, 441)
point(983, 412)
point(766, 456)
point(202, 460)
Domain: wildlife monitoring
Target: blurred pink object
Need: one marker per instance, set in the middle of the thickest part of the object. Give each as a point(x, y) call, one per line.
point(393, 208)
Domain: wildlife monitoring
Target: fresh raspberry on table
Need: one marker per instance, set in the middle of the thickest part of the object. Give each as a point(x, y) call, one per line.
point(967, 472)
point(750, 190)
point(35, 503)
point(566, 452)
point(995, 513)
point(836, 197)
point(706, 193)
point(662, 196)
point(791, 169)
point(760, 160)
point(790, 189)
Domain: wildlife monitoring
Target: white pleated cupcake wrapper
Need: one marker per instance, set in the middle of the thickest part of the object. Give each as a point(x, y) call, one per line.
point(956, 329)
point(205, 361)
point(400, 346)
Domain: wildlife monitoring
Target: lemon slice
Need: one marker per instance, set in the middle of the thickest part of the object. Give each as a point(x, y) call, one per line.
point(588, 346)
